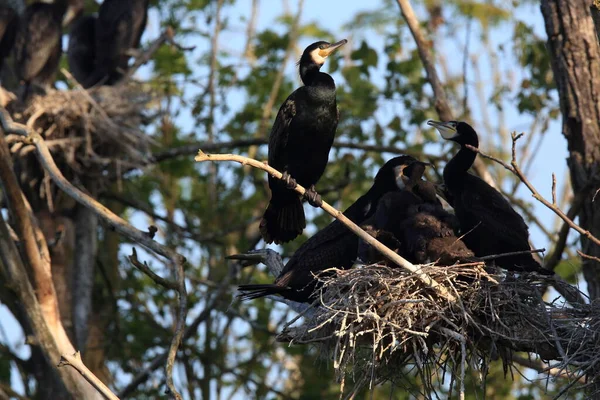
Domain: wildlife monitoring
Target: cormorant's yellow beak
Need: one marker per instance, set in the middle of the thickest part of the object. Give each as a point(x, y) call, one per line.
point(332, 48)
point(446, 129)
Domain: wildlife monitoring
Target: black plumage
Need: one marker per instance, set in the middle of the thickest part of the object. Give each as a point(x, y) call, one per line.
point(119, 29)
point(413, 222)
point(9, 25)
point(38, 44)
point(81, 53)
point(488, 223)
point(335, 246)
point(299, 144)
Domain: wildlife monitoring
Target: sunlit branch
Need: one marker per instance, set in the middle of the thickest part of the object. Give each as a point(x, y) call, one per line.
point(400, 261)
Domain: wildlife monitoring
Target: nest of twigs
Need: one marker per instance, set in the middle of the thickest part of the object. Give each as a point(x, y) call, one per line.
point(381, 324)
point(94, 136)
point(90, 130)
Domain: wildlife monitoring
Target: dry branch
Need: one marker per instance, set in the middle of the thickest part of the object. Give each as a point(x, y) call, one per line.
point(400, 261)
point(121, 226)
point(76, 362)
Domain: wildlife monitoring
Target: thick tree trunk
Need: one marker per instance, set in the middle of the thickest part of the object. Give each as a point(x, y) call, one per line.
point(575, 54)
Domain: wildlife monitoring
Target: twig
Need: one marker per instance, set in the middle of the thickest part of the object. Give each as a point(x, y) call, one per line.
point(541, 367)
point(514, 168)
point(554, 189)
point(441, 103)
point(142, 266)
point(76, 362)
point(166, 37)
point(583, 255)
point(202, 157)
point(513, 253)
point(121, 226)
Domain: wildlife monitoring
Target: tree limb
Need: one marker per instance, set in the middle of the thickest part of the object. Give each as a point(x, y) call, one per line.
point(441, 103)
point(121, 226)
point(400, 261)
point(76, 362)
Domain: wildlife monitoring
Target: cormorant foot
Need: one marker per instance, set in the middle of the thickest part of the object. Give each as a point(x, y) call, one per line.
point(314, 198)
point(289, 181)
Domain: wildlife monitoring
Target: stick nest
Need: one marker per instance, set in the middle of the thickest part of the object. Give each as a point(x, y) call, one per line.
point(380, 324)
point(88, 131)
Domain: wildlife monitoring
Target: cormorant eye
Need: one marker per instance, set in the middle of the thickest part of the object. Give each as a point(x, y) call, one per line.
point(322, 46)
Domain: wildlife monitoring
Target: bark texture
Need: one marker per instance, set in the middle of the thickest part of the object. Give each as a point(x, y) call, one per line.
point(575, 54)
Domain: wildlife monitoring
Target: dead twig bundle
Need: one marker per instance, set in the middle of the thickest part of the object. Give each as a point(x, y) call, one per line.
point(381, 324)
point(92, 129)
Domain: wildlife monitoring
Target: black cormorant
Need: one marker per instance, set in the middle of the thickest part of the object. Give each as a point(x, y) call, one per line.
point(81, 53)
point(413, 223)
point(335, 246)
point(299, 144)
point(488, 223)
point(38, 44)
point(119, 28)
point(10, 11)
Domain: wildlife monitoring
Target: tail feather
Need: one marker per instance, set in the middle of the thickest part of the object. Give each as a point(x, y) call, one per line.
point(249, 292)
point(283, 219)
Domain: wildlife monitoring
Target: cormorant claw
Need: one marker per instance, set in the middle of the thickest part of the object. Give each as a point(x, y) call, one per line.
point(289, 181)
point(314, 198)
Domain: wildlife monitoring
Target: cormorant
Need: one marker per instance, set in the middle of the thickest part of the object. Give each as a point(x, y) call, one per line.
point(299, 145)
point(119, 29)
point(413, 223)
point(488, 223)
point(335, 246)
point(38, 43)
point(81, 53)
point(9, 24)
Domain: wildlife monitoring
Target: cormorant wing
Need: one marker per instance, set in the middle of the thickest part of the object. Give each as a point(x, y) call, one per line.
point(114, 33)
point(39, 42)
point(494, 211)
point(279, 133)
point(330, 247)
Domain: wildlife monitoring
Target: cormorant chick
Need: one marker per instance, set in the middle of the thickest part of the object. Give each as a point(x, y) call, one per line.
point(299, 145)
point(487, 221)
point(119, 29)
point(335, 246)
point(422, 230)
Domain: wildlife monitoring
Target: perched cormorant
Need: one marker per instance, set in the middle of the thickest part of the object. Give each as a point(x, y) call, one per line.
point(38, 43)
point(10, 11)
point(81, 53)
point(335, 246)
point(299, 145)
point(488, 223)
point(119, 28)
point(413, 223)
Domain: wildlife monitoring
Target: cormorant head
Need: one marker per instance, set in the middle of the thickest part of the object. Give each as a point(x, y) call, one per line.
point(318, 52)
point(457, 131)
point(413, 173)
point(392, 174)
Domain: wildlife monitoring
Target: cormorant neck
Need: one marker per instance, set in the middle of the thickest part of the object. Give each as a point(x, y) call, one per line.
point(462, 161)
point(312, 76)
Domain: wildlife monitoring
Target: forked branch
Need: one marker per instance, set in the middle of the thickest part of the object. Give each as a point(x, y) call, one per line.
point(515, 169)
